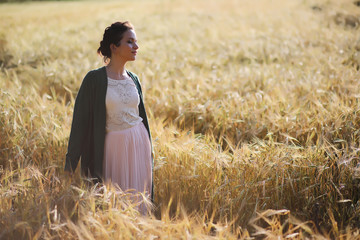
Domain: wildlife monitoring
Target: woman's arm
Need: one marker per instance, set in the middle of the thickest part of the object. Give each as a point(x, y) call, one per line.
point(80, 123)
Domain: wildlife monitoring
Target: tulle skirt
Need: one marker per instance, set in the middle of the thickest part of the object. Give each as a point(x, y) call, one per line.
point(127, 161)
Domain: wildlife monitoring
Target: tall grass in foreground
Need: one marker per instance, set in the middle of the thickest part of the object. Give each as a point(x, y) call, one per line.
point(254, 111)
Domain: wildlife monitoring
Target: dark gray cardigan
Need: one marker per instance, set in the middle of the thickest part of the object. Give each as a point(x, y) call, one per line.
point(88, 129)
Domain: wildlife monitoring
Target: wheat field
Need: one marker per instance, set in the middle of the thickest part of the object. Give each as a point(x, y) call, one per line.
point(254, 109)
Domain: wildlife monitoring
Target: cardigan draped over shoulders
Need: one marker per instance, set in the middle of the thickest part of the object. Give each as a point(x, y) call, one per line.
point(88, 128)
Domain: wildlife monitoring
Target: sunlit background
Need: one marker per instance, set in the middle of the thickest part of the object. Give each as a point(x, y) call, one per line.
point(253, 107)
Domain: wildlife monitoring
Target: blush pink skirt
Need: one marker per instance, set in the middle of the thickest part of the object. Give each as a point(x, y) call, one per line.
point(127, 161)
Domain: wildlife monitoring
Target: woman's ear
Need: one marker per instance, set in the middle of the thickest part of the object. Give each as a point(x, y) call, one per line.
point(112, 47)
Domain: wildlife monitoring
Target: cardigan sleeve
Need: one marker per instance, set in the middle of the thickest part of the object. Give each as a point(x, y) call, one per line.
point(143, 112)
point(80, 124)
point(137, 82)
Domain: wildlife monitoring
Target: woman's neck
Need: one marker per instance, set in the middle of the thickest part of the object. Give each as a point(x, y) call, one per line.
point(116, 71)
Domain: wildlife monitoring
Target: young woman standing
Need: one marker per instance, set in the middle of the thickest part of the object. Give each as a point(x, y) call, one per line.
point(110, 130)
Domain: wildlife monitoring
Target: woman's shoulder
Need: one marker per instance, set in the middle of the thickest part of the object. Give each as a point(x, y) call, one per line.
point(133, 75)
point(92, 76)
point(99, 72)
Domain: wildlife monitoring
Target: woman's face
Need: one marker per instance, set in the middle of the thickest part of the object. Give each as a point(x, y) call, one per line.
point(127, 49)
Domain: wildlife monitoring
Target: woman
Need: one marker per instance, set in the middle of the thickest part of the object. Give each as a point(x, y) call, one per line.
point(110, 130)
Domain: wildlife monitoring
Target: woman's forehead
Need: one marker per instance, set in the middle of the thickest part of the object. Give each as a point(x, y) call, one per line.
point(130, 34)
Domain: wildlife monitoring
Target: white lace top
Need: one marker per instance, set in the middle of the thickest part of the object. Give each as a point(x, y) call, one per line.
point(122, 100)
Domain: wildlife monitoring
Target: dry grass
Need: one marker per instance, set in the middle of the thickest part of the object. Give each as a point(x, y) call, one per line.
point(254, 110)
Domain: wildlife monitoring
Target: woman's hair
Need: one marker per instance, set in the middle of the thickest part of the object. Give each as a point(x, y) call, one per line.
point(113, 35)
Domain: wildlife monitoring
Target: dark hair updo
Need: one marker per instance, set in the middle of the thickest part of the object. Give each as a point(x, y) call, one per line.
point(113, 35)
